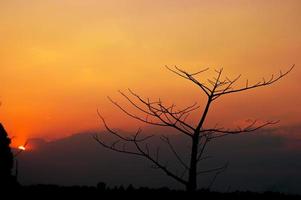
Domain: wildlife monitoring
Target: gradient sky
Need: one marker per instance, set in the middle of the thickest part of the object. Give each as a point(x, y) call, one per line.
point(59, 59)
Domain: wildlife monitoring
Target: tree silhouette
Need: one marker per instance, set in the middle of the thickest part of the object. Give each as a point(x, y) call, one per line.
point(6, 160)
point(158, 114)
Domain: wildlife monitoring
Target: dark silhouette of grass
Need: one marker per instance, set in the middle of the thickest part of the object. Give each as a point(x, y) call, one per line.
point(101, 191)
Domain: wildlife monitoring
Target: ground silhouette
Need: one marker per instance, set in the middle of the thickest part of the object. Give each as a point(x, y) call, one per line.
point(101, 191)
point(7, 180)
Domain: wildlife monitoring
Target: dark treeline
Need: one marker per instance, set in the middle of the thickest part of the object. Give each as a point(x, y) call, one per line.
point(101, 191)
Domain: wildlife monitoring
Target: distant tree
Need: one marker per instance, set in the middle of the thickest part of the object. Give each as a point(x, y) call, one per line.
point(6, 160)
point(101, 186)
point(159, 114)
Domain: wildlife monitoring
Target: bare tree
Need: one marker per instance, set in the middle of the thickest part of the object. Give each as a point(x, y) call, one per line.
point(158, 114)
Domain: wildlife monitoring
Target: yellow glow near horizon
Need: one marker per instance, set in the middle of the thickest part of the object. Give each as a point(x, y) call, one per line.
point(22, 148)
point(59, 59)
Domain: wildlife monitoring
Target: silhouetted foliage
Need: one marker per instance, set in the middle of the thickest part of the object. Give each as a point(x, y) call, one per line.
point(160, 114)
point(101, 186)
point(141, 193)
point(6, 160)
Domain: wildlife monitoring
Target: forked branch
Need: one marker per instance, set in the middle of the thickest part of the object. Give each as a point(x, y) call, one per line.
point(218, 86)
point(221, 132)
point(139, 151)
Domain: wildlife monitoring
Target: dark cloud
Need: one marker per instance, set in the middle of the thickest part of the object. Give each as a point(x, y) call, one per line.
point(259, 161)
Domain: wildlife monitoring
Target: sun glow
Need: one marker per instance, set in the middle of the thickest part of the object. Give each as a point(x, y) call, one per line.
point(22, 148)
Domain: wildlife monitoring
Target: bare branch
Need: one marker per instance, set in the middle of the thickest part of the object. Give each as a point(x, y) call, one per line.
point(213, 169)
point(140, 152)
point(215, 176)
point(159, 165)
point(258, 84)
point(102, 143)
point(167, 141)
point(158, 113)
point(224, 132)
point(190, 77)
point(136, 117)
point(202, 150)
point(117, 134)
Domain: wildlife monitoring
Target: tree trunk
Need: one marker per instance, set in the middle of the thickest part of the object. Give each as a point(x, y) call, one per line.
point(192, 179)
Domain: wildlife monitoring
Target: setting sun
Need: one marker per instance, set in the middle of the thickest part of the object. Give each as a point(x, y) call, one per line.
point(22, 148)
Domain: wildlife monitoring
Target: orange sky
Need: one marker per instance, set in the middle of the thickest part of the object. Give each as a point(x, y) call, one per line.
point(59, 59)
